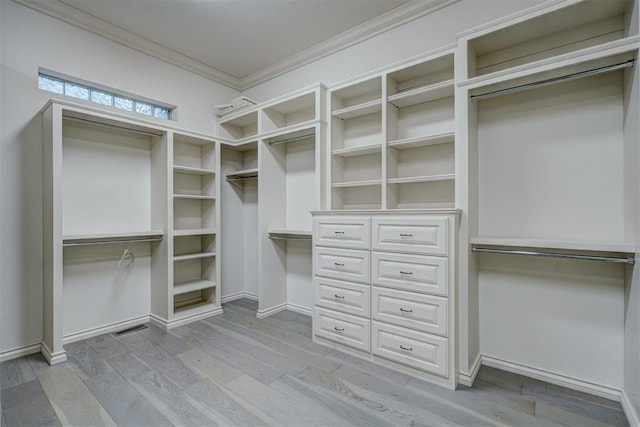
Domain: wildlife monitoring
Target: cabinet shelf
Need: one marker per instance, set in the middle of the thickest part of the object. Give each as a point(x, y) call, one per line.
point(425, 178)
point(194, 232)
point(422, 94)
point(111, 238)
point(422, 141)
point(359, 110)
point(568, 245)
point(349, 184)
point(192, 171)
point(242, 174)
point(194, 256)
point(193, 197)
point(358, 151)
point(195, 285)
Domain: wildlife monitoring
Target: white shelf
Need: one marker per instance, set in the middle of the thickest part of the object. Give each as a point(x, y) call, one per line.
point(243, 174)
point(358, 151)
point(425, 178)
point(194, 232)
point(349, 184)
point(359, 110)
point(194, 256)
point(193, 197)
point(282, 233)
point(422, 141)
point(593, 246)
point(422, 94)
point(108, 236)
point(192, 171)
point(196, 285)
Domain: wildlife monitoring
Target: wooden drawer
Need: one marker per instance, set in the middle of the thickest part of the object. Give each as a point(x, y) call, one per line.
point(415, 349)
point(417, 311)
point(342, 328)
point(342, 264)
point(411, 272)
point(342, 232)
point(351, 298)
point(428, 236)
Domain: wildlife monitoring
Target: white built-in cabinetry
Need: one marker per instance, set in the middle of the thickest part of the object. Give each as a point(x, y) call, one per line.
point(272, 163)
point(130, 229)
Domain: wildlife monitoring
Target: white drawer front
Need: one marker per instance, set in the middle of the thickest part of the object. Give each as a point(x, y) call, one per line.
point(415, 349)
point(341, 232)
point(342, 328)
point(409, 234)
point(351, 298)
point(342, 264)
point(417, 311)
point(411, 272)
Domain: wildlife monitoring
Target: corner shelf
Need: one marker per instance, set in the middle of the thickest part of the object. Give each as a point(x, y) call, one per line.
point(192, 170)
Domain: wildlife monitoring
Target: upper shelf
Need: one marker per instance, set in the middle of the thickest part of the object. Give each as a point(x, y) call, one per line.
point(422, 94)
point(569, 245)
point(115, 237)
point(359, 110)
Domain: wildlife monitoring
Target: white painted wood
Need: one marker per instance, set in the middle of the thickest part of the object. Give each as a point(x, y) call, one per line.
point(348, 330)
point(347, 297)
point(410, 272)
point(556, 244)
point(342, 264)
point(424, 313)
point(341, 232)
point(416, 349)
point(409, 234)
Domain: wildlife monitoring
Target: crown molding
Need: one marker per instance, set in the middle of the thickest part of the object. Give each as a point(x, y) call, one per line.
point(78, 18)
point(385, 22)
point(392, 19)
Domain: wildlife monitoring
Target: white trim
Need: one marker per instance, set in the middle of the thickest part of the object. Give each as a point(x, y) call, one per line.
point(158, 321)
point(105, 329)
point(299, 309)
point(467, 379)
point(174, 323)
point(261, 314)
point(14, 353)
point(52, 358)
point(629, 410)
point(562, 380)
point(239, 295)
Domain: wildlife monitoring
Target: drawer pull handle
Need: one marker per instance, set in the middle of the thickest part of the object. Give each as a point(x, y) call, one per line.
point(406, 311)
point(406, 235)
point(406, 348)
point(406, 273)
point(338, 264)
point(338, 329)
point(339, 233)
point(339, 296)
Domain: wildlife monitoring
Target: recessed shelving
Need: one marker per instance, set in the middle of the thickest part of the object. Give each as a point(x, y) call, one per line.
point(425, 178)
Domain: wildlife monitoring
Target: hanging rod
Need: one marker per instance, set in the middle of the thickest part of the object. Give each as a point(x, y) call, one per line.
point(290, 237)
point(107, 125)
point(241, 178)
point(292, 139)
point(630, 261)
point(112, 242)
point(554, 80)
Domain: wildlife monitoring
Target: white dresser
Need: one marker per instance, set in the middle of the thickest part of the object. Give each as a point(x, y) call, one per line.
point(385, 288)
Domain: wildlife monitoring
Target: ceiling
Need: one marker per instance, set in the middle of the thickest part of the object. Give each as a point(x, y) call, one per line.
point(239, 43)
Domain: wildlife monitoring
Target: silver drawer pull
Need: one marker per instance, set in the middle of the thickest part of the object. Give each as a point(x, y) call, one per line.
point(338, 329)
point(406, 348)
point(338, 264)
point(339, 233)
point(338, 296)
point(406, 311)
point(406, 235)
point(406, 273)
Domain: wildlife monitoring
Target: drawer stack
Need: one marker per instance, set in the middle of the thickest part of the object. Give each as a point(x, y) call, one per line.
point(383, 285)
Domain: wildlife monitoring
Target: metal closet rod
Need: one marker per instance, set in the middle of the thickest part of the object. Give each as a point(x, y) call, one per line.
point(292, 139)
point(615, 260)
point(242, 178)
point(112, 242)
point(554, 80)
point(107, 125)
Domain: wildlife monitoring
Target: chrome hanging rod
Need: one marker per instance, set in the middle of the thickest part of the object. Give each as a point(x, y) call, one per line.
point(107, 125)
point(292, 139)
point(111, 242)
point(554, 80)
point(290, 237)
point(241, 178)
point(629, 261)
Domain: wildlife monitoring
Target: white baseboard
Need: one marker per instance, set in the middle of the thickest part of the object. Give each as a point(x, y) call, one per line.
point(193, 318)
point(14, 353)
point(52, 358)
point(630, 410)
point(299, 309)
point(239, 295)
point(467, 379)
point(554, 378)
point(112, 327)
point(261, 314)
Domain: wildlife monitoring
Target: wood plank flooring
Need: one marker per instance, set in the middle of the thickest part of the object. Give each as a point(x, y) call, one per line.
point(237, 370)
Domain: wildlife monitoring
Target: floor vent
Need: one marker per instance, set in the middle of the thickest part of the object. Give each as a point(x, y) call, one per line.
point(131, 329)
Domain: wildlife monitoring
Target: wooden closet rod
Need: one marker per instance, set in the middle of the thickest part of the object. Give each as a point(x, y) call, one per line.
point(554, 80)
point(107, 125)
point(630, 261)
point(292, 139)
point(112, 242)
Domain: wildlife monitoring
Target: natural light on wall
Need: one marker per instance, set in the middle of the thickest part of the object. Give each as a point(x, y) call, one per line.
point(99, 96)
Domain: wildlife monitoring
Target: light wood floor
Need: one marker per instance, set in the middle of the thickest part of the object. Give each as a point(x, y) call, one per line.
point(237, 370)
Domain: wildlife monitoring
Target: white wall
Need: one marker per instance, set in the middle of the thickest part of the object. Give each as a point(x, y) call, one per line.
point(30, 40)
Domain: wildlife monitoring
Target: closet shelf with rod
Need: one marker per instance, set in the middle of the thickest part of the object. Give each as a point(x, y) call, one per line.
point(95, 239)
point(282, 234)
point(241, 175)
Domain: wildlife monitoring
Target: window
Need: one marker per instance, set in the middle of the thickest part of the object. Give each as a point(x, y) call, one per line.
point(103, 97)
